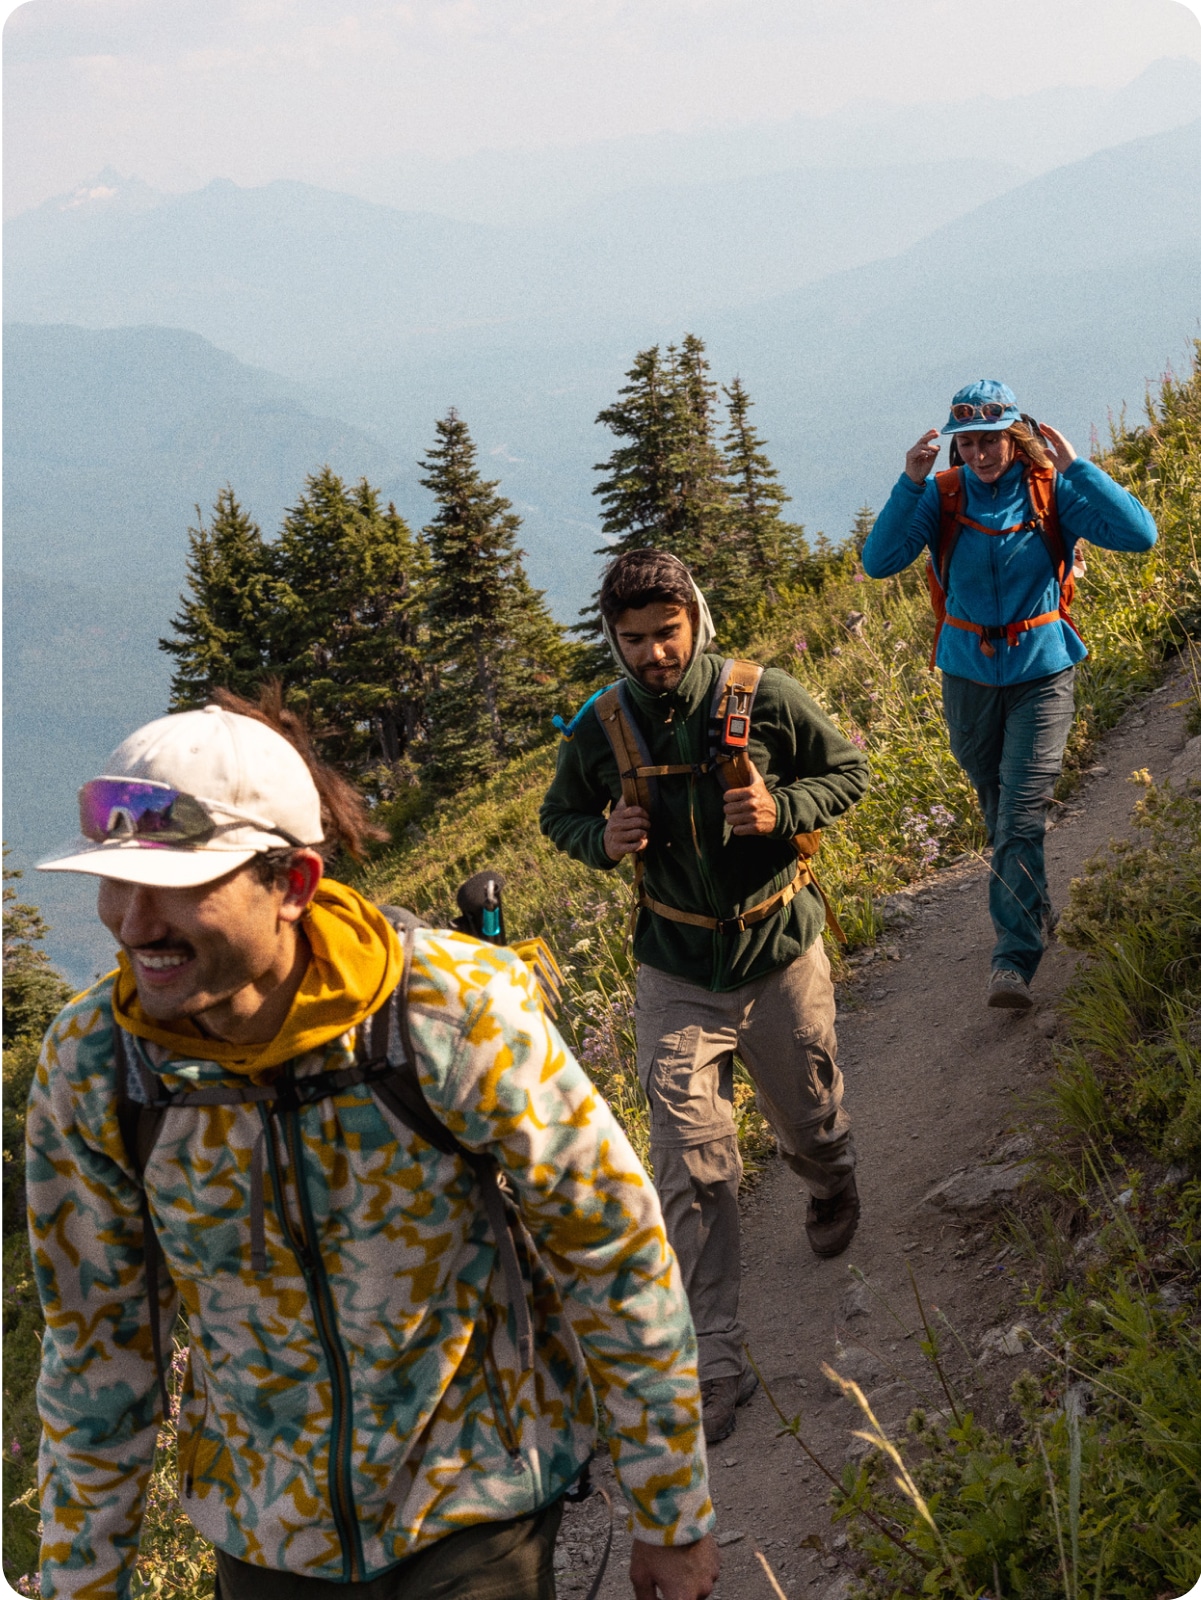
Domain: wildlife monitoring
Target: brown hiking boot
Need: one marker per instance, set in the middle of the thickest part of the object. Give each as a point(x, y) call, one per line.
point(719, 1396)
point(831, 1223)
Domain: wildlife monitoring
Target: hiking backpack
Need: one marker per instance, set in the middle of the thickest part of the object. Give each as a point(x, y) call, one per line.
point(729, 735)
point(1044, 518)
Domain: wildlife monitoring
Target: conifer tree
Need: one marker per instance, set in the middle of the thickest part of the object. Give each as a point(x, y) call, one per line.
point(703, 492)
point(865, 521)
point(495, 652)
point(763, 550)
point(33, 991)
point(224, 621)
point(665, 486)
point(346, 634)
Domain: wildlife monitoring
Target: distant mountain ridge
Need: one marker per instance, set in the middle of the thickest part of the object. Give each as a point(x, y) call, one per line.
point(296, 278)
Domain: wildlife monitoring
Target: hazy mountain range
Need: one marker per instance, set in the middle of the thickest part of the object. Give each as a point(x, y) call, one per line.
point(171, 344)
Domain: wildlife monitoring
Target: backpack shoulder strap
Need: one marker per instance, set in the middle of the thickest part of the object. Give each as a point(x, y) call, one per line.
point(730, 721)
point(140, 1118)
point(950, 508)
point(401, 1092)
point(401, 1089)
point(1040, 486)
point(629, 748)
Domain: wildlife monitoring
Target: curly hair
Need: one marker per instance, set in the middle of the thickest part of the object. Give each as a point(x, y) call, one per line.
point(644, 578)
point(345, 823)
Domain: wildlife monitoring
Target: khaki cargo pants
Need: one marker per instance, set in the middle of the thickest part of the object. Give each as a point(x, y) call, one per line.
point(782, 1026)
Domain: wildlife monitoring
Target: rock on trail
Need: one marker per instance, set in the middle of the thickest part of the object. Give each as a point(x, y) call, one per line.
point(936, 1083)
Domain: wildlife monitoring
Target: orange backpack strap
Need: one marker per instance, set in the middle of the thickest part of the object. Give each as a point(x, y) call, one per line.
point(1040, 484)
point(938, 563)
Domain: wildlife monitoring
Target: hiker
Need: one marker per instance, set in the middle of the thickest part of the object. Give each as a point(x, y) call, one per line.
point(728, 934)
point(367, 1408)
point(1010, 510)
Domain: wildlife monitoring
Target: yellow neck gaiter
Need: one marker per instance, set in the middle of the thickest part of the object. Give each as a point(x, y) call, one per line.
point(356, 963)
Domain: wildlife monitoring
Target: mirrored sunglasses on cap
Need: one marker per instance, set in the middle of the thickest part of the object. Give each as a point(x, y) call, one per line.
point(142, 811)
point(987, 410)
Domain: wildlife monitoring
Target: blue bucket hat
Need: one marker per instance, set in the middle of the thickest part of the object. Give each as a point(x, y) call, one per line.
point(985, 391)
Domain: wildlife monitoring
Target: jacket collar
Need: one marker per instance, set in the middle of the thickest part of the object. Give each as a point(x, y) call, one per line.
point(692, 690)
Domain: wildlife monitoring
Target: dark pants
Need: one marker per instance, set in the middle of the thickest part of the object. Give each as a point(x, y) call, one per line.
point(492, 1561)
point(1010, 742)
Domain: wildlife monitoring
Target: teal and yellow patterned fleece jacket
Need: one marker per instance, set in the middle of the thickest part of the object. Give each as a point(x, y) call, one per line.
point(363, 1397)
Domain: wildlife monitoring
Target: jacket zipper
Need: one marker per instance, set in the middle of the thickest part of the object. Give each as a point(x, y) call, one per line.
point(321, 1302)
point(996, 588)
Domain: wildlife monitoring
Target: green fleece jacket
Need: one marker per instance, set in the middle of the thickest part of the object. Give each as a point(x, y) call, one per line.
point(693, 861)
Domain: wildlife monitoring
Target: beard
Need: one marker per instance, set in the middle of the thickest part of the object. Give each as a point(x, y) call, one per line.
point(661, 679)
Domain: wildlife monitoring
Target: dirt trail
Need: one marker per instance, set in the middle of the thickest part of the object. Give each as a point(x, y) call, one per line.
point(935, 1083)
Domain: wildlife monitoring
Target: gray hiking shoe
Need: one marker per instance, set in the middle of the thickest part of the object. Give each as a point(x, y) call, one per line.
point(719, 1397)
point(1009, 990)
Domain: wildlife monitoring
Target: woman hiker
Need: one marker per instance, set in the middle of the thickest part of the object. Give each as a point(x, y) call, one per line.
point(1000, 530)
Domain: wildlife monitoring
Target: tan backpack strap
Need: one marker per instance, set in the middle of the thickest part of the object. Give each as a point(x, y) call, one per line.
point(744, 919)
point(734, 696)
point(628, 749)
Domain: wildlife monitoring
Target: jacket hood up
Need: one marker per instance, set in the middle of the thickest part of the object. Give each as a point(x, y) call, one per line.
point(705, 634)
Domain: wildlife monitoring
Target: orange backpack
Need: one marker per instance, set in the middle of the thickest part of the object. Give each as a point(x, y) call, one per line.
point(1040, 485)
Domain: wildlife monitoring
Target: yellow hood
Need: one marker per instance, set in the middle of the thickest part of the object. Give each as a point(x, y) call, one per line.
point(356, 963)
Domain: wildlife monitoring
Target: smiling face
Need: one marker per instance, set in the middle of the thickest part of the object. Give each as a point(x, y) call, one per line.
point(988, 454)
point(656, 644)
point(221, 954)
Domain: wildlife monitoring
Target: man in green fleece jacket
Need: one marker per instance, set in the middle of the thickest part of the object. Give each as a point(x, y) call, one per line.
point(763, 988)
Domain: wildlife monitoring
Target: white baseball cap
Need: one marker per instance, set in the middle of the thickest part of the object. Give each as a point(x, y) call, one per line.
point(190, 797)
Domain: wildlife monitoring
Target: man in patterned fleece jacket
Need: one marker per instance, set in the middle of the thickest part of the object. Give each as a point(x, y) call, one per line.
point(359, 1413)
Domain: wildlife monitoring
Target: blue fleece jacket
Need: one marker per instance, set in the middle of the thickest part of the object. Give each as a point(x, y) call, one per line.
point(995, 579)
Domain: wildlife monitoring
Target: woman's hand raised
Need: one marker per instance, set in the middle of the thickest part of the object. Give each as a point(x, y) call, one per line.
point(921, 458)
point(1061, 452)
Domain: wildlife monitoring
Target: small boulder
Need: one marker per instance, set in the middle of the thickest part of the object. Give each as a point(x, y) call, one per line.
point(1005, 1341)
point(1186, 768)
point(978, 1189)
point(855, 1364)
point(857, 1302)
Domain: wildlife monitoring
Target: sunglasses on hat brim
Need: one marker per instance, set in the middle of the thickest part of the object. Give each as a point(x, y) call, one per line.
point(987, 411)
point(143, 811)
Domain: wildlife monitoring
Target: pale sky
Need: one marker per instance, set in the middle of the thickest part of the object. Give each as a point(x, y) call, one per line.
point(177, 92)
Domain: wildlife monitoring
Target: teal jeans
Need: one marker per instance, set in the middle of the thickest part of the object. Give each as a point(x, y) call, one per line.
point(493, 1561)
point(1010, 742)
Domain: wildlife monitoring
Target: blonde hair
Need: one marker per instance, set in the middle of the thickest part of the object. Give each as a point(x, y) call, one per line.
point(1028, 444)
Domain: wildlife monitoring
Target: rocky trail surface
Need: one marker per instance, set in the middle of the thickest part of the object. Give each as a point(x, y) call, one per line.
point(936, 1085)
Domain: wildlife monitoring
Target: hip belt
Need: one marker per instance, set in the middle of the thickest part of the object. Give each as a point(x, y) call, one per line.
point(1011, 632)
